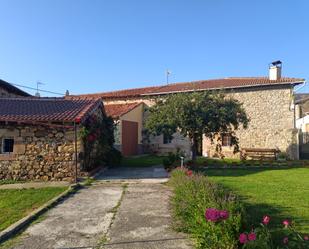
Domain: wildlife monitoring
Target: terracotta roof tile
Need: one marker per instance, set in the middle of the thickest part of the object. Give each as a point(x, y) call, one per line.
point(46, 109)
point(134, 92)
point(225, 83)
point(117, 110)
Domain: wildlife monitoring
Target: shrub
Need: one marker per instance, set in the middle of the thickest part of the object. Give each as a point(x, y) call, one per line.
point(211, 214)
point(282, 156)
point(172, 160)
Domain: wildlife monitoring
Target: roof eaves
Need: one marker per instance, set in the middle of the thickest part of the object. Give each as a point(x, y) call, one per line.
point(133, 107)
point(87, 111)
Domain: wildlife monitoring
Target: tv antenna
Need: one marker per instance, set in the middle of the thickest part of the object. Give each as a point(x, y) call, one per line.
point(37, 94)
point(168, 72)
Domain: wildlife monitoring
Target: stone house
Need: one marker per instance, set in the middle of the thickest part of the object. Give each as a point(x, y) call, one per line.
point(7, 90)
point(268, 101)
point(39, 137)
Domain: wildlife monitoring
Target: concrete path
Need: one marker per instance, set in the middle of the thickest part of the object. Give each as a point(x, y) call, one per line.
point(134, 173)
point(34, 185)
point(79, 222)
point(109, 215)
point(143, 220)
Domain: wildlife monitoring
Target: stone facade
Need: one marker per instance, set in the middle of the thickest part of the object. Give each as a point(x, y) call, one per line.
point(40, 153)
point(271, 123)
point(271, 114)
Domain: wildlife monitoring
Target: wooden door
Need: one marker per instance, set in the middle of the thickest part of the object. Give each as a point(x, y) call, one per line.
point(129, 138)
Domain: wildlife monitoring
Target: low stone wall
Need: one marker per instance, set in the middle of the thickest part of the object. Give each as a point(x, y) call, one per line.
point(40, 153)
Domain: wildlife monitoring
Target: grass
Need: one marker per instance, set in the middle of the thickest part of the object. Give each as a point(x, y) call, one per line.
point(230, 162)
point(17, 203)
point(142, 161)
point(280, 193)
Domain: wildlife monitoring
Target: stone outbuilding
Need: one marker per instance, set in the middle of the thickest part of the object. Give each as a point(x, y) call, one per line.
point(39, 137)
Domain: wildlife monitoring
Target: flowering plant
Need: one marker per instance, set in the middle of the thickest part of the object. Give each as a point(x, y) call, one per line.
point(262, 238)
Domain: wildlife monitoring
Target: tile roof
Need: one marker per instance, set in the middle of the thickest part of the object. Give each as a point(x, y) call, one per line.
point(134, 92)
point(46, 109)
point(226, 83)
point(12, 89)
point(117, 110)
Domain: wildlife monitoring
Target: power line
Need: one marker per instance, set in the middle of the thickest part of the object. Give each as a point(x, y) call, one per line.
point(32, 88)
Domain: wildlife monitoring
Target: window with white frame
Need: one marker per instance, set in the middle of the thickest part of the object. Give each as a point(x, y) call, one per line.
point(7, 145)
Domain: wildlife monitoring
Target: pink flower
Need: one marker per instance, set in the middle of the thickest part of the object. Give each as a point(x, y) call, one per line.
point(306, 237)
point(251, 236)
point(285, 240)
point(212, 214)
point(243, 238)
point(266, 219)
point(224, 214)
point(286, 223)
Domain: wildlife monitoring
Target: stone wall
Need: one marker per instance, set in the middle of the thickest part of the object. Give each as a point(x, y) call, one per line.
point(271, 122)
point(40, 153)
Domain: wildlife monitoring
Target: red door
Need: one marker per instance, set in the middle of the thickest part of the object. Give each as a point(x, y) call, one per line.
point(129, 138)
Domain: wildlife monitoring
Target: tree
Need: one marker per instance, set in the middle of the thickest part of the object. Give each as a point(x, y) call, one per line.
point(195, 114)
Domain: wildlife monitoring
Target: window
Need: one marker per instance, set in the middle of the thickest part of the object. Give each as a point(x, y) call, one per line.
point(167, 139)
point(226, 140)
point(7, 145)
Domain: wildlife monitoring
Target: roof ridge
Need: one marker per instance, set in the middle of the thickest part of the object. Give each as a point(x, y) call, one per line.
point(119, 90)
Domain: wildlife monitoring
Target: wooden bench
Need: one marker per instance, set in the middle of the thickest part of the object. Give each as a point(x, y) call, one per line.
point(258, 154)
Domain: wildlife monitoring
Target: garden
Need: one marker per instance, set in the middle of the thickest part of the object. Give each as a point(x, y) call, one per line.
point(243, 208)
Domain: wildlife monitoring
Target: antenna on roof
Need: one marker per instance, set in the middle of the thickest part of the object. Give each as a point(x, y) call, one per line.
point(37, 94)
point(168, 72)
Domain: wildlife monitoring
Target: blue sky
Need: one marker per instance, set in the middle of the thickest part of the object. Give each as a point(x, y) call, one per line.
point(93, 46)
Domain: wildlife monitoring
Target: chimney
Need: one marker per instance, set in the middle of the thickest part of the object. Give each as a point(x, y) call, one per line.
point(275, 70)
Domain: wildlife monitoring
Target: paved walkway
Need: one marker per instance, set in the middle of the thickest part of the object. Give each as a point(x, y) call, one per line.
point(143, 220)
point(134, 173)
point(79, 222)
point(135, 216)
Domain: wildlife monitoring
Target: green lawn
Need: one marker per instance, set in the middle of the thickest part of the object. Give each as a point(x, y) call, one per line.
point(280, 193)
point(142, 161)
point(17, 203)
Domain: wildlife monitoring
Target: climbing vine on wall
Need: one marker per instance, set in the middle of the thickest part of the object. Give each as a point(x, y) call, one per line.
point(97, 135)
